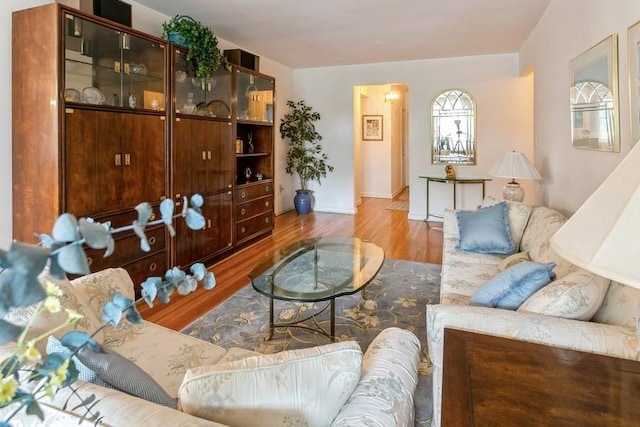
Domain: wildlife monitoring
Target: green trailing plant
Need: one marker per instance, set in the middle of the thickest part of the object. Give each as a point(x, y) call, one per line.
point(305, 156)
point(27, 376)
point(203, 53)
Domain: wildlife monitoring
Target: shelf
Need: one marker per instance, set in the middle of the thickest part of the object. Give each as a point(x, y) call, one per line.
point(241, 184)
point(253, 122)
point(244, 155)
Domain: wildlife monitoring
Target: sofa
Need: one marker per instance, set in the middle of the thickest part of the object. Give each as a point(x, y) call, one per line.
point(576, 310)
point(333, 384)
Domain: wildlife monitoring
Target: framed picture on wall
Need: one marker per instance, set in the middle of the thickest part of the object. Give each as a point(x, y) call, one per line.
point(372, 127)
point(633, 37)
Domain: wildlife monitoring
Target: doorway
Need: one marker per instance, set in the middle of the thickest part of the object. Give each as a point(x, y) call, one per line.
point(381, 155)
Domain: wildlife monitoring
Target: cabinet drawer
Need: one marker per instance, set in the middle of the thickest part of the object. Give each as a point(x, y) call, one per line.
point(152, 266)
point(254, 225)
point(126, 250)
point(253, 191)
point(253, 208)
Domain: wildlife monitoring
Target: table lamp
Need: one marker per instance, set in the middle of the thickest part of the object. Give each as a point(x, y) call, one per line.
point(603, 235)
point(514, 165)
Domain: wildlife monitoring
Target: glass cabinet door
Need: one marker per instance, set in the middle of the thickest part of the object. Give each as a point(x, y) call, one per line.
point(210, 98)
point(105, 66)
point(255, 97)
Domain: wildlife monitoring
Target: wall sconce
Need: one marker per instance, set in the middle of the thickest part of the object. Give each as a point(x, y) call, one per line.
point(391, 96)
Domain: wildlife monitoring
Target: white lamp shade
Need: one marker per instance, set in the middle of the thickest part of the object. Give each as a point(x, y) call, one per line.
point(603, 236)
point(514, 165)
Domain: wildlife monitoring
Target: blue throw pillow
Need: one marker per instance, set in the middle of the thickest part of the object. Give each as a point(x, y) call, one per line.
point(511, 287)
point(485, 230)
point(108, 368)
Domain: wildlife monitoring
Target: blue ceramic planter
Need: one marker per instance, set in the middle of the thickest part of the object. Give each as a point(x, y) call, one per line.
point(302, 202)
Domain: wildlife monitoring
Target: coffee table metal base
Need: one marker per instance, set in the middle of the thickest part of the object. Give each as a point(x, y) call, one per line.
point(299, 323)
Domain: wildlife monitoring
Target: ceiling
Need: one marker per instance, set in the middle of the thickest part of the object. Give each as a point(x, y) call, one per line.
point(306, 33)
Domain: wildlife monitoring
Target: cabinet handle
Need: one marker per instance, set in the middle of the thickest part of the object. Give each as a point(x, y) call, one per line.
point(152, 240)
point(127, 159)
point(228, 192)
point(116, 66)
point(152, 217)
point(208, 223)
point(89, 261)
point(242, 230)
point(208, 155)
point(204, 155)
point(126, 68)
point(153, 266)
point(243, 195)
point(266, 220)
point(266, 204)
point(242, 211)
point(118, 160)
point(229, 185)
point(266, 189)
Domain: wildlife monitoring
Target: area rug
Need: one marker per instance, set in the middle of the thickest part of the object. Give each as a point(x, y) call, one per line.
point(396, 297)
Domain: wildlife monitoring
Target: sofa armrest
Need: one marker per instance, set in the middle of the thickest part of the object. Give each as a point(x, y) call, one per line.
point(120, 409)
point(384, 394)
point(450, 224)
point(609, 340)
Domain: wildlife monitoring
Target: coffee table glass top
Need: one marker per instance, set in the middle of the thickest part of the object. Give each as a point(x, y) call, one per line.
point(317, 269)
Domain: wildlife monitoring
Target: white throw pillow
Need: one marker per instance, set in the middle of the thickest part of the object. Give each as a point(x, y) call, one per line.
point(518, 214)
point(295, 387)
point(578, 295)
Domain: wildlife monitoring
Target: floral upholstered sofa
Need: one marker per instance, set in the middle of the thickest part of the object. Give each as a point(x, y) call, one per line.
point(576, 310)
point(334, 384)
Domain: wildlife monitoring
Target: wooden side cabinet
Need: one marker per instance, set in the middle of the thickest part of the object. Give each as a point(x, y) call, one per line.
point(494, 381)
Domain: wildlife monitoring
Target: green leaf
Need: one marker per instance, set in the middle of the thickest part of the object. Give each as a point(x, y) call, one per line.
point(65, 229)
point(72, 259)
point(33, 408)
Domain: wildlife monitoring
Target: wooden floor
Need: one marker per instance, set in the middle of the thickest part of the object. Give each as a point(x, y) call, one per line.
point(390, 229)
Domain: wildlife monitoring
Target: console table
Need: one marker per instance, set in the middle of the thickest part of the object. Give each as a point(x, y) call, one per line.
point(455, 182)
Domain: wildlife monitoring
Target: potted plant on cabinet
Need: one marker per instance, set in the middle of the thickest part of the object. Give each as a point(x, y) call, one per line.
point(305, 156)
point(203, 53)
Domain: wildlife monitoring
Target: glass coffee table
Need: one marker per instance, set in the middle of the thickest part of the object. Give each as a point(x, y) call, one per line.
point(315, 270)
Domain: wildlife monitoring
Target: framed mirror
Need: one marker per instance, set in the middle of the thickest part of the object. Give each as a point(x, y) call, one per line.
point(453, 127)
point(593, 95)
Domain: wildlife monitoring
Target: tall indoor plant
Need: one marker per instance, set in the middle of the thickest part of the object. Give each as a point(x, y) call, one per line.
point(203, 51)
point(305, 156)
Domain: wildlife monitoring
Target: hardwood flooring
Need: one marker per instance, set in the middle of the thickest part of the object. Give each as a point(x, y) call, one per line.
point(390, 229)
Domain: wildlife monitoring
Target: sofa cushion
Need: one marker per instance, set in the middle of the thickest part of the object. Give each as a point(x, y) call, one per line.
point(620, 306)
point(485, 230)
point(510, 288)
point(109, 369)
point(73, 298)
point(295, 387)
point(384, 395)
point(543, 223)
point(518, 214)
point(512, 260)
point(578, 295)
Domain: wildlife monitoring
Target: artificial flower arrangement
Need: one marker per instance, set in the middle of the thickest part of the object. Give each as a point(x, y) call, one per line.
point(26, 377)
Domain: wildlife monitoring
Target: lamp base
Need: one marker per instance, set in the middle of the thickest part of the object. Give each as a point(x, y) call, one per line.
point(513, 192)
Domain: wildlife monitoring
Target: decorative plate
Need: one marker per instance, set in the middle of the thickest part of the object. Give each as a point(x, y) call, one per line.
point(218, 108)
point(92, 95)
point(72, 95)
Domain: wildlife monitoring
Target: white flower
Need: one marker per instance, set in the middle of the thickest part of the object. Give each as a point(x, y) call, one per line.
point(31, 352)
point(74, 316)
point(53, 290)
point(8, 389)
point(52, 304)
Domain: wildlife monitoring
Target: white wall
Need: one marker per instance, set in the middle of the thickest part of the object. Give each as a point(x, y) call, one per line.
point(505, 121)
point(146, 20)
point(568, 28)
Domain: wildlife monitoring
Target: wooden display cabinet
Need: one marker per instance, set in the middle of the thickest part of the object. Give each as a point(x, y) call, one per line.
point(83, 140)
point(254, 135)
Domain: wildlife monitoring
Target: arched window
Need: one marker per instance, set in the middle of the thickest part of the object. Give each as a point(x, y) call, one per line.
point(453, 128)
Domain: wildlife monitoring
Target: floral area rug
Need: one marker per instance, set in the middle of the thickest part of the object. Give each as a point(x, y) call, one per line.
point(396, 297)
